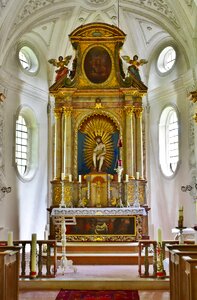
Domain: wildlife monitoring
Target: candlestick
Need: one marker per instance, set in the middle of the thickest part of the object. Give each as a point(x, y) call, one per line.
point(62, 176)
point(33, 255)
point(126, 178)
point(70, 177)
point(137, 175)
point(10, 238)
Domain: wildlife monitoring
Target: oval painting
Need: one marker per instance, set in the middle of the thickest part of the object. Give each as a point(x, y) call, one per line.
point(97, 64)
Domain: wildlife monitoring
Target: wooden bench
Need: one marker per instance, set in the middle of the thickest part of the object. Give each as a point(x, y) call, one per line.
point(9, 275)
point(177, 269)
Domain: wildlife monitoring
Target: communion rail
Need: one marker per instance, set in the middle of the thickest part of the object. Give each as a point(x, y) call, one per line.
point(148, 257)
point(46, 257)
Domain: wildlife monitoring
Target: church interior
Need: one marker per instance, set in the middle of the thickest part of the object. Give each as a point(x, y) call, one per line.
point(98, 134)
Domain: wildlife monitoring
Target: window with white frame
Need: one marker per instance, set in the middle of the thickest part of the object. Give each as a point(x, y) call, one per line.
point(166, 59)
point(169, 141)
point(28, 60)
point(26, 143)
point(22, 147)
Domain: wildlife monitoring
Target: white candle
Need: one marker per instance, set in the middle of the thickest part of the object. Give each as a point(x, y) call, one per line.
point(137, 175)
point(80, 178)
point(10, 238)
point(126, 178)
point(33, 254)
point(46, 235)
point(62, 176)
point(159, 235)
point(70, 177)
point(119, 178)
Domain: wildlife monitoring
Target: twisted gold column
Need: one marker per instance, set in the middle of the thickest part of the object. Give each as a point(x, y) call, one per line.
point(57, 144)
point(67, 141)
point(129, 141)
point(139, 143)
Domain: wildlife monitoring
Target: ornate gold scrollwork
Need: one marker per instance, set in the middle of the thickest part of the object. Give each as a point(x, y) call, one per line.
point(68, 195)
point(56, 194)
point(130, 192)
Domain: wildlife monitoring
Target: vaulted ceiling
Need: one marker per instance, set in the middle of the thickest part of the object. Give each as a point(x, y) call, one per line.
point(147, 23)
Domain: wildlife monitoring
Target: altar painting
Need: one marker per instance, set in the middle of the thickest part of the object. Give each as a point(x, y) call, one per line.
point(103, 226)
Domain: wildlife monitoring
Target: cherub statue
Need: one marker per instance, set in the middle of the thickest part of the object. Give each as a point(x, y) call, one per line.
point(134, 65)
point(61, 63)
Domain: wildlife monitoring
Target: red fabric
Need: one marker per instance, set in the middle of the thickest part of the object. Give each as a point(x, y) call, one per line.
point(97, 295)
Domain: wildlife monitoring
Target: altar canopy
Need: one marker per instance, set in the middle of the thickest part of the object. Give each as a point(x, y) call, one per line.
point(99, 146)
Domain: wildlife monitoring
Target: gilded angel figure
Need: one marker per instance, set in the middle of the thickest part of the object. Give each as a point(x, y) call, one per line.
point(135, 63)
point(61, 63)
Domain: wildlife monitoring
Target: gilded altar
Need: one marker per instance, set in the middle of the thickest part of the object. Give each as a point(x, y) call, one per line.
point(99, 147)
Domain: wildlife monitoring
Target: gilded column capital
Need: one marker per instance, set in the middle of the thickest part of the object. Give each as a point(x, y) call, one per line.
point(67, 110)
point(57, 113)
point(129, 110)
point(138, 111)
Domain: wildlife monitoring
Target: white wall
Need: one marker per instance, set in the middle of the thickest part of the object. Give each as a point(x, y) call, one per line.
point(165, 195)
point(23, 211)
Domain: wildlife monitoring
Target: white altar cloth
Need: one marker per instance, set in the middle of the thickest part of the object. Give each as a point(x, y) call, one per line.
point(94, 211)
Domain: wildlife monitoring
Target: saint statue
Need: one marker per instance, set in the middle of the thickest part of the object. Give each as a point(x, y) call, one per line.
point(99, 153)
point(135, 63)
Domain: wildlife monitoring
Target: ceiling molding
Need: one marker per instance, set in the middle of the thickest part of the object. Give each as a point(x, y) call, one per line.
point(31, 7)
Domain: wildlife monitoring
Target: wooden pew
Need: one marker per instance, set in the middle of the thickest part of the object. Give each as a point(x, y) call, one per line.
point(175, 256)
point(9, 275)
point(179, 281)
point(191, 278)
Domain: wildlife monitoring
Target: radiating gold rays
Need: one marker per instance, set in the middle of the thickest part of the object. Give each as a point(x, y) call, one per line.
point(98, 125)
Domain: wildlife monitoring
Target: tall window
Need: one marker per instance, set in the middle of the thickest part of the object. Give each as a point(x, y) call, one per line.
point(21, 155)
point(169, 141)
point(26, 144)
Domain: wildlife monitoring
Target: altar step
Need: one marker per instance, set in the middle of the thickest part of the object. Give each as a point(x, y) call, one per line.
point(100, 253)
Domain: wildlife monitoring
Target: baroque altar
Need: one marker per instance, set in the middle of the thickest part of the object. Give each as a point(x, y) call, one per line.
point(99, 154)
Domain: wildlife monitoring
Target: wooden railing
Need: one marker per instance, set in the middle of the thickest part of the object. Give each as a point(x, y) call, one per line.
point(46, 257)
point(148, 256)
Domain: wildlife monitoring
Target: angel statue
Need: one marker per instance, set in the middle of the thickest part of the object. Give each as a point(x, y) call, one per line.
point(134, 65)
point(61, 63)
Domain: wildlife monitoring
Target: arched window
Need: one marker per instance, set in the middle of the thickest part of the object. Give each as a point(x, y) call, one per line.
point(22, 147)
point(26, 143)
point(169, 141)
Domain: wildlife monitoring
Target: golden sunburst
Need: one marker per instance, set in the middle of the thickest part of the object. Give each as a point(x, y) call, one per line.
point(98, 125)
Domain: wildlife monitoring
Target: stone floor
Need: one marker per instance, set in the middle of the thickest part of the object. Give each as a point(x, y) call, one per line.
point(95, 277)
